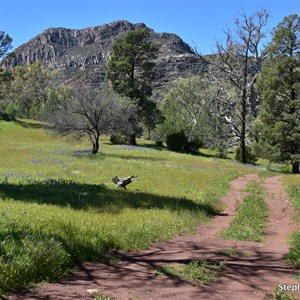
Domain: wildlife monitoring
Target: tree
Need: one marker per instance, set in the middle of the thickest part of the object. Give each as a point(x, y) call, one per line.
point(28, 92)
point(278, 127)
point(5, 77)
point(192, 96)
point(130, 70)
point(185, 103)
point(150, 115)
point(89, 113)
point(234, 70)
point(5, 83)
point(187, 109)
point(5, 44)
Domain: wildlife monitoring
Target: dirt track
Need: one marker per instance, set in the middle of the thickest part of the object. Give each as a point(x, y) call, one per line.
point(258, 269)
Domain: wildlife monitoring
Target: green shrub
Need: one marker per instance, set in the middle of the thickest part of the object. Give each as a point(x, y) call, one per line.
point(221, 152)
point(250, 156)
point(12, 111)
point(193, 146)
point(286, 169)
point(177, 141)
point(6, 117)
point(119, 139)
point(159, 143)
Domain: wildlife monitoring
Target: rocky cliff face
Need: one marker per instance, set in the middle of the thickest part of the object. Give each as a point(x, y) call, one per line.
point(84, 53)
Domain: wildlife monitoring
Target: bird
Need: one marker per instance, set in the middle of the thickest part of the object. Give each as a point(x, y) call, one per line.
point(122, 182)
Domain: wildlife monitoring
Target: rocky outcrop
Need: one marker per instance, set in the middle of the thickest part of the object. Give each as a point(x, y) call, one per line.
point(85, 52)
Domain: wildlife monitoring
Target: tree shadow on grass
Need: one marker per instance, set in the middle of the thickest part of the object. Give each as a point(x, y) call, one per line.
point(82, 196)
point(151, 146)
point(83, 154)
point(27, 124)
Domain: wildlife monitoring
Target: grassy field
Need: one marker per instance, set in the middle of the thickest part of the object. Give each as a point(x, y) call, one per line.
point(59, 206)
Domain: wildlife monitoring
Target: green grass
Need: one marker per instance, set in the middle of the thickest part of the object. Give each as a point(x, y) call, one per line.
point(99, 296)
point(277, 294)
point(198, 271)
point(227, 252)
point(59, 207)
point(254, 188)
point(292, 183)
point(230, 252)
point(250, 220)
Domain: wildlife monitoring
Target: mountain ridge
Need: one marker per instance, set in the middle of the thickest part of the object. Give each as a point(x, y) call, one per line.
point(83, 53)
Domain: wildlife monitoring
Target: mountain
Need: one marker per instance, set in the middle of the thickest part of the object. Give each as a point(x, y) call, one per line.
point(83, 54)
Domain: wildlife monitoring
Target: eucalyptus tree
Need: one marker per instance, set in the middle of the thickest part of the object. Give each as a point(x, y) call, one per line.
point(28, 91)
point(186, 102)
point(190, 107)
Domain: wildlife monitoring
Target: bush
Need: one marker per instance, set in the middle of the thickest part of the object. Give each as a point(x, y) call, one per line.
point(12, 110)
point(6, 117)
point(193, 146)
point(221, 152)
point(159, 143)
point(119, 139)
point(177, 141)
point(286, 169)
point(250, 156)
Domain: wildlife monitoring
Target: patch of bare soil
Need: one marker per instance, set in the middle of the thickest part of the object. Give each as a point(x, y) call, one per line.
point(254, 270)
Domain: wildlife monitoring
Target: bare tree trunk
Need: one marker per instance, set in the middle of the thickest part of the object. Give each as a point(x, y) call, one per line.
point(243, 158)
point(295, 167)
point(132, 139)
point(149, 134)
point(95, 146)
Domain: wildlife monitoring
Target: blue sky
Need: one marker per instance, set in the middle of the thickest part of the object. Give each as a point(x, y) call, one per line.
point(197, 22)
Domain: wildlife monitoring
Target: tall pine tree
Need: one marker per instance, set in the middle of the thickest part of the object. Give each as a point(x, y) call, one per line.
point(130, 70)
point(279, 83)
point(5, 44)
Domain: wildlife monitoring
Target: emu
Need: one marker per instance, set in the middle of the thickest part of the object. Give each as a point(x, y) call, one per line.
point(122, 182)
